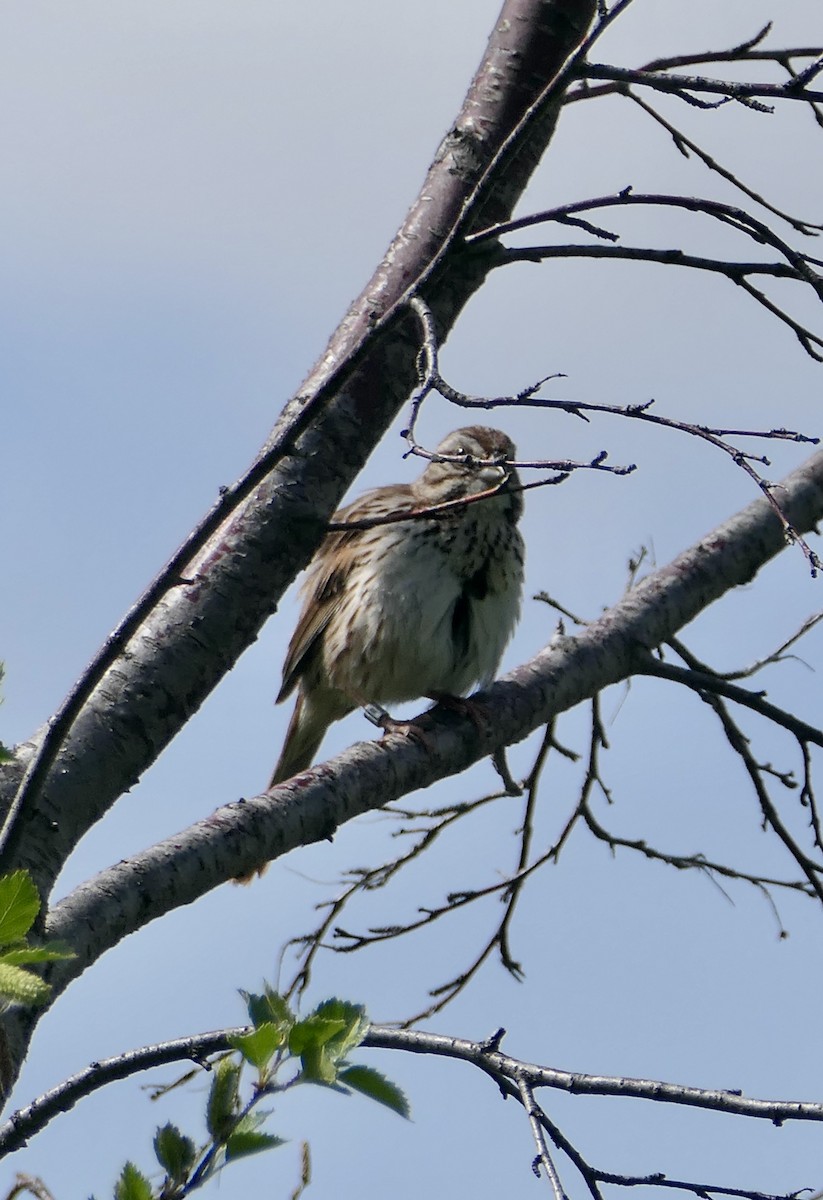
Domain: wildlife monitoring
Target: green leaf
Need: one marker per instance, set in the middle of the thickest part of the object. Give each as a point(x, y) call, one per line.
point(259, 1046)
point(326, 1036)
point(270, 1008)
point(372, 1083)
point(252, 1120)
point(249, 1141)
point(22, 987)
point(223, 1101)
point(309, 1039)
point(355, 1025)
point(5, 754)
point(49, 952)
point(313, 1032)
point(175, 1152)
point(19, 905)
point(132, 1185)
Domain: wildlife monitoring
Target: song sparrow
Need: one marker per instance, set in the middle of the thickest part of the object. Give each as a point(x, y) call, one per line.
point(416, 608)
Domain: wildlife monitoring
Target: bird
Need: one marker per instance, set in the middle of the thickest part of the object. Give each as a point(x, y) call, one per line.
point(410, 608)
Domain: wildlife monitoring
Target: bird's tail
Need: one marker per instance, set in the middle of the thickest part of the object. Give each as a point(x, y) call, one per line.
point(316, 709)
point(313, 713)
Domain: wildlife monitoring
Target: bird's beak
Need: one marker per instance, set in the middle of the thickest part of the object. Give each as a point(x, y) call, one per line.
point(494, 476)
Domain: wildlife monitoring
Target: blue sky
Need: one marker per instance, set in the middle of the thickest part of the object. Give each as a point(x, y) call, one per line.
point(193, 192)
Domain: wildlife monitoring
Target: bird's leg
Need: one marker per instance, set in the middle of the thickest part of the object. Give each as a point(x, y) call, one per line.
point(383, 719)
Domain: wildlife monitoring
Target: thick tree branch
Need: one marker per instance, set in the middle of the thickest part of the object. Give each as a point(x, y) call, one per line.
point(213, 610)
point(26, 1122)
point(126, 896)
point(505, 1071)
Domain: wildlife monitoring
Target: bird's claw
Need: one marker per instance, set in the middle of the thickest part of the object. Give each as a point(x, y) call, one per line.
point(383, 719)
point(466, 707)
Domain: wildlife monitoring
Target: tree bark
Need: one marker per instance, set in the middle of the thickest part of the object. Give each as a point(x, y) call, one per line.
point(195, 634)
point(213, 611)
point(125, 897)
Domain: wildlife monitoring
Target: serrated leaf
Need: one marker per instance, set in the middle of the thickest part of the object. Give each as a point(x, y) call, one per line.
point(280, 1008)
point(175, 1152)
point(318, 1067)
point(50, 952)
point(355, 1025)
point(132, 1185)
point(268, 1008)
point(251, 1121)
point(19, 906)
point(325, 1037)
point(372, 1083)
point(314, 1031)
point(222, 1105)
point(245, 1142)
point(22, 987)
point(310, 1040)
point(259, 1046)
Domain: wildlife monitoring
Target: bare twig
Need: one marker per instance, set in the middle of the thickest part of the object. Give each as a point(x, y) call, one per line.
point(370, 879)
point(28, 1183)
point(535, 1114)
point(799, 729)
point(500, 1065)
point(703, 681)
point(797, 266)
point(776, 656)
point(685, 86)
point(686, 146)
point(431, 379)
point(739, 743)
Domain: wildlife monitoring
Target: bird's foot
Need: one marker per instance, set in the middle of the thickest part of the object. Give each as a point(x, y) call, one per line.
point(383, 719)
point(478, 715)
point(466, 707)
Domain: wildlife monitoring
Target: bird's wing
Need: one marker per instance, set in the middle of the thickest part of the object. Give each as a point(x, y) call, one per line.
point(327, 576)
point(322, 592)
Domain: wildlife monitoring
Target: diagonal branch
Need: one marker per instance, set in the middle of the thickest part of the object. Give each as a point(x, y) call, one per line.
point(309, 808)
point(205, 615)
point(704, 681)
point(686, 146)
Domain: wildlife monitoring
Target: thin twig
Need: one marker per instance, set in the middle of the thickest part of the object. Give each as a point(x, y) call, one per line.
point(686, 145)
point(686, 85)
point(703, 681)
point(534, 1112)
